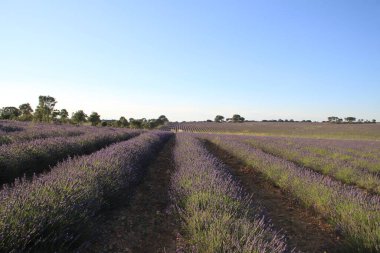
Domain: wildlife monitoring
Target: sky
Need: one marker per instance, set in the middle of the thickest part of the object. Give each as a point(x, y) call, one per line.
point(191, 60)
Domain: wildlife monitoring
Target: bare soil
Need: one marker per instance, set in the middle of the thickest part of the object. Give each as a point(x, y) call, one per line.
point(145, 221)
point(305, 230)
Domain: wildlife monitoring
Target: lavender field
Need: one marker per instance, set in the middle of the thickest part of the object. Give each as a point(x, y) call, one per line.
point(264, 188)
point(285, 129)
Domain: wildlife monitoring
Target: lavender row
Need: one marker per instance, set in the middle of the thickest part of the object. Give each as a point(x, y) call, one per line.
point(217, 216)
point(352, 162)
point(51, 211)
point(353, 212)
point(37, 155)
point(27, 131)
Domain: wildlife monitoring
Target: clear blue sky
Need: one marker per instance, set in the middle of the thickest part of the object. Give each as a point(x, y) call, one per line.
point(191, 60)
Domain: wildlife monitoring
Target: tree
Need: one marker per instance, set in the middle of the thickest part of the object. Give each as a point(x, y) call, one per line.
point(237, 118)
point(63, 115)
point(333, 119)
point(162, 120)
point(350, 119)
point(26, 112)
point(55, 114)
point(9, 112)
point(135, 123)
point(25, 109)
point(219, 118)
point(44, 109)
point(373, 121)
point(94, 118)
point(123, 122)
point(79, 117)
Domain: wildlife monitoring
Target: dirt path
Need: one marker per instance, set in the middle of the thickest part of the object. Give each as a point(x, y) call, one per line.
point(146, 223)
point(304, 229)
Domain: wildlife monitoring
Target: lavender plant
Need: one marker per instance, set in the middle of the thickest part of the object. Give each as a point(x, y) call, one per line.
point(37, 155)
point(26, 131)
point(217, 216)
point(355, 213)
point(352, 162)
point(50, 211)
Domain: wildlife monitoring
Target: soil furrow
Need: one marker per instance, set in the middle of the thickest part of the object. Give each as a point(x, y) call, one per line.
point(305, 230)
point(143, 221)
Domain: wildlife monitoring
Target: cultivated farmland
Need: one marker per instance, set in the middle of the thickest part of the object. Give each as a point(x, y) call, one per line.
point(190, 187)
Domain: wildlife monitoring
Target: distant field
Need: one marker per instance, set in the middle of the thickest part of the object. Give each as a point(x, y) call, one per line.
point(297, 129)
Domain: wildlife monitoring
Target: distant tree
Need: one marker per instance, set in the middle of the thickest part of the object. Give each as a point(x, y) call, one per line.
point(373, 121)
point(237, 118)
point(63, 115)
point(123, 122)
point(219, 118)
point(25, 109)
point(291, 120)
point(162, 120)
point(9, 112)
point(79, 117)
point(26, 112)
point(350, 119)
point(209, 120)
point(280, 120)
point(94, 118)
point(151, 123)
point(44, 109)
point(104, 123)
point(135, 123)
point(333, 119)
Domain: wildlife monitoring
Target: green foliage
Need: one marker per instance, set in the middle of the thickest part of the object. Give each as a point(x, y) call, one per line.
point(79, 117)
point(63, 115)
point(123, 122)
point(9, 112)
point(219, 118)
point(45, 108)
point(94, 118)
point(26, 112)
point(162, 120)
point(350, 119)
point(237, 118)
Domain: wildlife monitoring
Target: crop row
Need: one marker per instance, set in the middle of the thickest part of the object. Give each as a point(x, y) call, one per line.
point(32, 131)
point(353, 212)
point(24, 136)
point(34, 156)
point(352, 162)
point(216, 215)
point(51, 210)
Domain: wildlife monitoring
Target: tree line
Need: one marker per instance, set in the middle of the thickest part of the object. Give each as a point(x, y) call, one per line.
point(351, 120)
point(46, 112)
point(235, 118)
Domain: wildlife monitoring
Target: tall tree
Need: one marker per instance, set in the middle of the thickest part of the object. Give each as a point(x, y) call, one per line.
point(45, 108)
